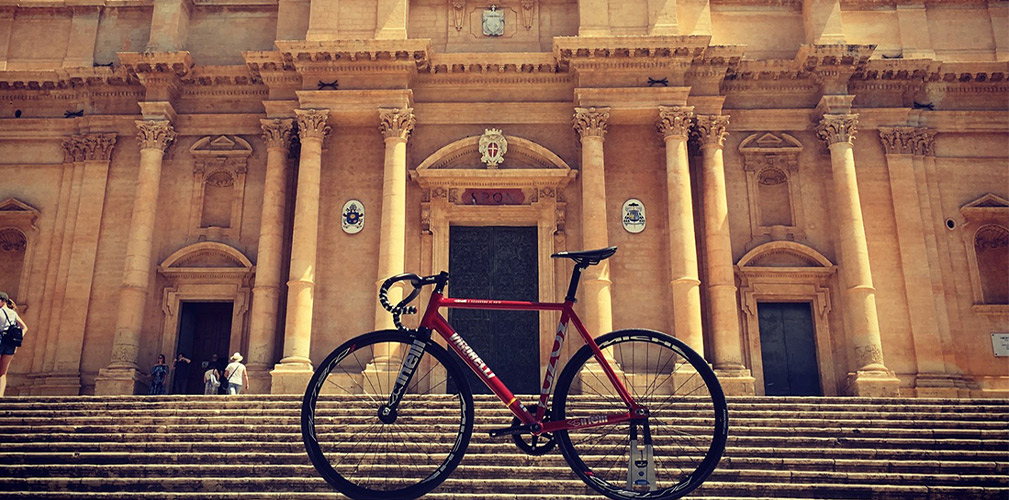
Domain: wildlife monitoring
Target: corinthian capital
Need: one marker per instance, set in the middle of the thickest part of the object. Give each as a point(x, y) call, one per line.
point(396, 122)
point(837, 128)
point(277, 132)
point(591, 122)
point(923, 142)
point(155, 134)
point(312, 123)
point(674, 121)
point(710, 130)
point(897, 140)
point(91, 147)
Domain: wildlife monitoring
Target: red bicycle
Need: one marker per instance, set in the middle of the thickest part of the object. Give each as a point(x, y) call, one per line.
point(637, 413)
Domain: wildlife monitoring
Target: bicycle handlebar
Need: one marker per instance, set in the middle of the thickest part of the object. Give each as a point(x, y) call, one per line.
point(401, 308)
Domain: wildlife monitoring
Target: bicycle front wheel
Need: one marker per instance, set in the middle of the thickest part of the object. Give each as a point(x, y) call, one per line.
point(687, 424)
point(367, 457)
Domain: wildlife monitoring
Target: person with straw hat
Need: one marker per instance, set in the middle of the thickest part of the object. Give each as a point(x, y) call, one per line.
point(236, 375)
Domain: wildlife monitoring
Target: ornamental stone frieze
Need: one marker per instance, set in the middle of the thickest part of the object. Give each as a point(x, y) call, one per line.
point(312, 124)
point(277, 132)
point(591, 122)
point(396, 122)
point(91, 147)
point(833, 129)
point(897, 140)
point(155, 134)
point(710, 130)
point(675, 121)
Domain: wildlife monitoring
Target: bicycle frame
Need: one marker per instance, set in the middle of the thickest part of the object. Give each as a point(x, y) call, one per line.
point(434, 321)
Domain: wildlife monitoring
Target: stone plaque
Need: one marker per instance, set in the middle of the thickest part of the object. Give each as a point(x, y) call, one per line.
point(1000, 344)
point(352, 217)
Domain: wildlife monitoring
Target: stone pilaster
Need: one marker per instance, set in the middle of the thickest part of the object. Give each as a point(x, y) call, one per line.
point(870, 376)
point(591, 124)
point(674, 127)
point(122, 374)
point(295, 368)
point(720, 282)
point(269, 266)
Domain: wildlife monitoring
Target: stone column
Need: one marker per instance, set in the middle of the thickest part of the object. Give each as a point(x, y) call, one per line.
point(871, 377)
point(396, 126)
point(122, 374)
point(295, 368)
point(266, 291)
point(591, 124)
point(720, 281)
point(674, 125)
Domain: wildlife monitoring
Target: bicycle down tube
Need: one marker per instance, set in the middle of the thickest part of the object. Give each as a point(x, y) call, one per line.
point(434, 320)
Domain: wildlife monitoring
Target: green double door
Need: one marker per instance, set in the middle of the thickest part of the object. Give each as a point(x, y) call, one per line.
point(788, 349)
point(498, 263)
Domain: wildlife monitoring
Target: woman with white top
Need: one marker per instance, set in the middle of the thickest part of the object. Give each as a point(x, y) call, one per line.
point(8, 316)
point(236, 375)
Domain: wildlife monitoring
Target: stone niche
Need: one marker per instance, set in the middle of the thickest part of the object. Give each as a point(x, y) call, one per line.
point(219, 168)
point(771, 161)
point(985, 234)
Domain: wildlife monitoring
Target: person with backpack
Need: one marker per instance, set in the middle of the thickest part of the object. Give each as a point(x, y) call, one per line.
point(9, 342)
point(235, 375)
point(211, 380)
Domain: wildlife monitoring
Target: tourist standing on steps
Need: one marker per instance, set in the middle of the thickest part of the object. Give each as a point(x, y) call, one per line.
point(236, 375)
point(8, 316)
point(181, 376)
point(211, 379)
point(159, 374)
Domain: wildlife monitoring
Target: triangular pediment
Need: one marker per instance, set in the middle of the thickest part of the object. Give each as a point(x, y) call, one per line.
point(15, 205)
point(221, 145)
point(770, 142)
point(989, 200)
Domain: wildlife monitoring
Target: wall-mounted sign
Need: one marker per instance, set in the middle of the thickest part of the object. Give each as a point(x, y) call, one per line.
point(633, 216)
point(352, 218)
point(1000, 343)
point(512, 196)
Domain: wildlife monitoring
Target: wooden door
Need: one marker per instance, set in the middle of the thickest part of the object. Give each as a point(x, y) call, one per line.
point(788, 349)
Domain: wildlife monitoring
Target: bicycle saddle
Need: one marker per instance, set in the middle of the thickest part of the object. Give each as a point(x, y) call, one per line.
point(588, 257)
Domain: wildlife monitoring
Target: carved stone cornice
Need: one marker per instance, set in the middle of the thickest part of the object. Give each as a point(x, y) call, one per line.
point(591, 122)
point(923, 142)
point(837, 128)
point(710, 130)
point(155, 134)
point(396, 122)
point(675, 121)
point(90, 147)
point(277, 132)
point(312, 123)
point(897, 140)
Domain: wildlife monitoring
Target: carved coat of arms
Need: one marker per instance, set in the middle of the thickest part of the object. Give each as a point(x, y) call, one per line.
point(633, 217)
point(493, 22)
point(493, 146)
point(352, 217)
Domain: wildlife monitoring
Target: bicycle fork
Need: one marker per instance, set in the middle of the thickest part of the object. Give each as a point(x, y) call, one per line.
point(387, 412)
point(641, 463)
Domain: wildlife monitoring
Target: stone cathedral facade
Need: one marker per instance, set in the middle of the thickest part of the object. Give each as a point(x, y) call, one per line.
point(813, 193)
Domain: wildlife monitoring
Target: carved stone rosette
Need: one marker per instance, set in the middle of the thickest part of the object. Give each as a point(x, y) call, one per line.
point(312, 123)
point(155, 134)
point(923, 142)
point(837, 128)
point(675, 121)
point(92, 147)
point(277, 132)
point(396, 122)
point(591, 122)
point(897, 140)
point(710, 130)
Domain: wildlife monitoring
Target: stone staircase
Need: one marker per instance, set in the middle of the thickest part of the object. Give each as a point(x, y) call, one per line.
point(216, 447)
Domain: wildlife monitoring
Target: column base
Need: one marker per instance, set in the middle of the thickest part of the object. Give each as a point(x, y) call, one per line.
point(736, 381)
point(290, 378)
point(259, 379)
point(873, 384)
point(120, 381)
point(56, 384)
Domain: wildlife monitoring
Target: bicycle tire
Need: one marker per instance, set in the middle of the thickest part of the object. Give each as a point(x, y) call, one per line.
point(357, 453)
point(654, 368)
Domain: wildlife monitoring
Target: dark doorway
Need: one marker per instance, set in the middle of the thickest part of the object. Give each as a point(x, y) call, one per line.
point(204, 330)
point(499, 263)
point(788, 350)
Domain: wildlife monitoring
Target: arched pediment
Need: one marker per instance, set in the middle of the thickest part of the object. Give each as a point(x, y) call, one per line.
point(784, 254)
point(206, 254)
point(465, 154)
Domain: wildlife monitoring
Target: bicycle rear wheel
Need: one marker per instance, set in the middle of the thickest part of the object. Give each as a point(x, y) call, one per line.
point(687, 422)
point(366, 458)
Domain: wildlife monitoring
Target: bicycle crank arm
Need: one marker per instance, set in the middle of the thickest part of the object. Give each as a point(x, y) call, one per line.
point(515, 430)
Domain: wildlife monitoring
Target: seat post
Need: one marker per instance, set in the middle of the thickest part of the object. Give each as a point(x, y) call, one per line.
point(576, 276)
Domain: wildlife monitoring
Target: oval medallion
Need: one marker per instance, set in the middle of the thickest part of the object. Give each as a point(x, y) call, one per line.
point(633, 216)
point(352, 218)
